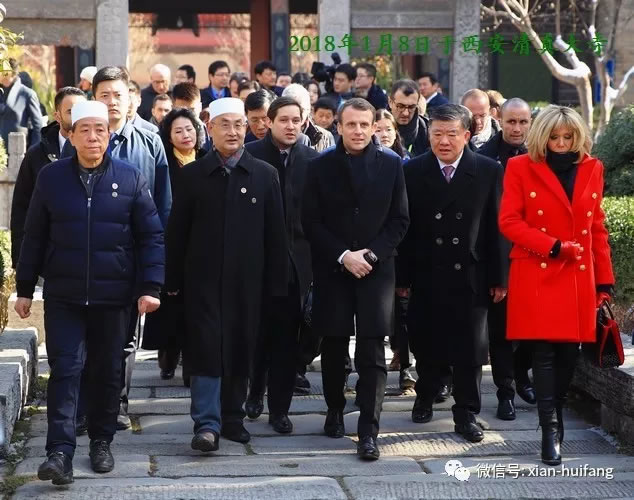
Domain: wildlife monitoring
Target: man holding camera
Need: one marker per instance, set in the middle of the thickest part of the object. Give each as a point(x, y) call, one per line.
point(354, 216)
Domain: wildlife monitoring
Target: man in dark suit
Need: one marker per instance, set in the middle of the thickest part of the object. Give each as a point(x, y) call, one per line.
point(405, 101)
point(19, 107)
point(506, 364)
point(354, 215)
point(278, 338)
point(453, 261)
point(430, 90)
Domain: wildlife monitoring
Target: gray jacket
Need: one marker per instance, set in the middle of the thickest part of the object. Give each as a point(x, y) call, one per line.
point(20, 108)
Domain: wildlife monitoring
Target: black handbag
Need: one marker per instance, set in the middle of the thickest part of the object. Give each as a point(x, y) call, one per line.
point(607, 351)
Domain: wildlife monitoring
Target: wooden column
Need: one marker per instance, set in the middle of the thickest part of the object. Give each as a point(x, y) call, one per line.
point(260, 32)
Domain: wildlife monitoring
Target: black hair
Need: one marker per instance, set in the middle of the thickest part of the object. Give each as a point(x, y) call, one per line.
point(451, 112)
point(239, 77)
point(408, 87)
point(160, 97)
point(134, 87)
point(258, 100)
point(247, 84)
point(347, 69)
point(325, 103)
point(64, 92)
point(165, 128)
point(110, 74)
point(301, 78)
point(370, 68)
point(262, 66)
point(189, 70)
point(185, 91)
point(216, 65)
point(280, 102)
point(432, 78)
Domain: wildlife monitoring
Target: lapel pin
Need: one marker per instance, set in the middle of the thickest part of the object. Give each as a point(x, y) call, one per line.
point(243, 190)
point(253, 200)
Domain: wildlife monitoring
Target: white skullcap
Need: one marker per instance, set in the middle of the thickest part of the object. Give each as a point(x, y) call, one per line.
point(226, 105)
point(89, 109)
point(88, 73)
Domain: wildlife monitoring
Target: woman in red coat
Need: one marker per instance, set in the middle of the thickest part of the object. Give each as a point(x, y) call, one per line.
point(560, 261)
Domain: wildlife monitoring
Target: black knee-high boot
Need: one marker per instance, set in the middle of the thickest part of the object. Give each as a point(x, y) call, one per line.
point(566, 361)
point(544, 380)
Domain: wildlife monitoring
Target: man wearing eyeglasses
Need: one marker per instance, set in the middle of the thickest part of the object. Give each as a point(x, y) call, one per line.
point(365, 86)
point(405, 103)
point(160, 80)
point(226, 255)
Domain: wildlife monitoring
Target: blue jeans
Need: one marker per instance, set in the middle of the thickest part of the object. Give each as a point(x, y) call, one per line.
point(205, 403)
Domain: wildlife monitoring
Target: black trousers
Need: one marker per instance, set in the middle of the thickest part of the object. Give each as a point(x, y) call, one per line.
point(369, 361)
point(466, 388)
point(77, 335)
point(509, 360)
point(400, 340)
point(553, 368)
point(276, 356)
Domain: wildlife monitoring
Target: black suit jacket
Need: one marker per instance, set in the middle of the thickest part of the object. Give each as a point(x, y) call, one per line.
point(439, 100)
point(294, 175)
point(346, 210)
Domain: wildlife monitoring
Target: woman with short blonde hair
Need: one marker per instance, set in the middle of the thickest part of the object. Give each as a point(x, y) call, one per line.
point(561, 268)
point(550, 119)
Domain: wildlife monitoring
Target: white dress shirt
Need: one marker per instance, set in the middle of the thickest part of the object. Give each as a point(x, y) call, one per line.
point(62, 141)
point(431, 96)
point(454, 164)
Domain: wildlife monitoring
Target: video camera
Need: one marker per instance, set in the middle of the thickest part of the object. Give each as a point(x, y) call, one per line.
point(323, 73)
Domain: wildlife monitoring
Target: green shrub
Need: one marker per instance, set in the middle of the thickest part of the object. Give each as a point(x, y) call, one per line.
point(619, 220)
point(615, 148)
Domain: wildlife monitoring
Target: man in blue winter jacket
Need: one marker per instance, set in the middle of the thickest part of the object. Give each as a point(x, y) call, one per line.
point(93, 232)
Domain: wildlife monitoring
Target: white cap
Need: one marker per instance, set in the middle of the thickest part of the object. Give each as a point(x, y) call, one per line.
point(226, 105)
point(89, 109)
point(88, 73)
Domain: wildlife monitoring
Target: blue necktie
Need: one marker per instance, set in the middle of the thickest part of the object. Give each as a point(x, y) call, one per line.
point(67, 151)
point(114, 142)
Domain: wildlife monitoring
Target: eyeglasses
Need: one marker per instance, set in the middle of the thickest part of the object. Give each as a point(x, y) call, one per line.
point(226, 126)
point(402, 107)
point(221, 74)
point(255, 121)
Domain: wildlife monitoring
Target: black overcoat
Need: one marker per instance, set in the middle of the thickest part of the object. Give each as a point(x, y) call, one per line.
point(451, 256)
point(342, 212)
point(295, 179)
point(254, 261)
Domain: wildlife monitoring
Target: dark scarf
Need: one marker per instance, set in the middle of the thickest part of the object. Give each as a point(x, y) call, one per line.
point(564, 167)
point(409, 132)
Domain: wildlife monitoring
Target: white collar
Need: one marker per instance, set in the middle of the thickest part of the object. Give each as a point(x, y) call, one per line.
point(432, 96)
point(454, 164)
point(62, 140)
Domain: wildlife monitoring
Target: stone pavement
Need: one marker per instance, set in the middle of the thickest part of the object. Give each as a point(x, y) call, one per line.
point(154, 460)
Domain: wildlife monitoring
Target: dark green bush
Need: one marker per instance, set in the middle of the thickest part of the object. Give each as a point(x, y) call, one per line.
point(615, 148)
point(619, 220)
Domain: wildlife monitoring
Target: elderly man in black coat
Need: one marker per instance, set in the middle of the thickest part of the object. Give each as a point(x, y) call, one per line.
point(226, 254)
point(453, 261)
point(354, 215)
point(94, 234)
point(278, 351)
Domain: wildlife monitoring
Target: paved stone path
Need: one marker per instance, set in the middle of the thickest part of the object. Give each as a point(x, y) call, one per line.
point(155, 461)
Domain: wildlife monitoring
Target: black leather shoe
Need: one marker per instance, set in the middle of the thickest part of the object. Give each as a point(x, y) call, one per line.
point(470, 431)
point(254, 408)
point(301, 382)
point(205, 441)
point(235, 432)
point(101, 459)
point(405, 380)
point(506, 409)
point(367, 448)
point(123, 422)
point(334, 426)
point(421, 414)
point(527, 393)
point(81, 426)
point(58, 467)
point(443, 394)
point(281, 423)
point(551, 454)
point(167, 374)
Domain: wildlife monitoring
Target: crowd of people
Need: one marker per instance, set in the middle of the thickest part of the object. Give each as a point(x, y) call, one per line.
point(260, 223)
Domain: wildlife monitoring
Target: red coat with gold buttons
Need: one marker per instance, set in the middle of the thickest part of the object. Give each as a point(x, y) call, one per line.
point(552, 298)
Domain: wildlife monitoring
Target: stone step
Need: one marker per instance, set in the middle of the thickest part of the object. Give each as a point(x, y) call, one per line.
point(426, 444)
point(446, 487)
point(125, 466)
point(128, 443)
point(390, 422)
point(222, 488)
point(303, 404)
point(281, 466)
